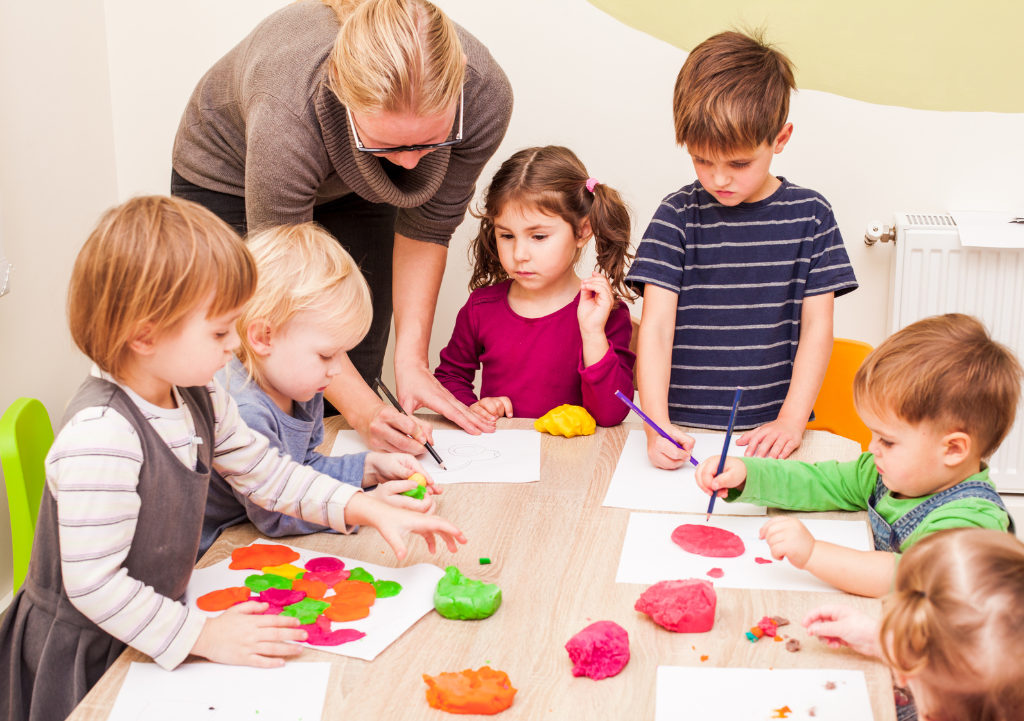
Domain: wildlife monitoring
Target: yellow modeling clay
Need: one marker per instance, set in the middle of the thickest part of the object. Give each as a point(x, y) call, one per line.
point(286, 570)
point(567, 421)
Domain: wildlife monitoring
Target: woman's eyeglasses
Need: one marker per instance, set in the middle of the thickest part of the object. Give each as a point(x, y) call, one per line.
point(409, 148)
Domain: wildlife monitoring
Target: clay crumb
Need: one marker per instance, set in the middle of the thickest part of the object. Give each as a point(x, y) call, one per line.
point(780, 621)
point(812, 711)
point(703, 659)
point(792, 645)
point(830, 685)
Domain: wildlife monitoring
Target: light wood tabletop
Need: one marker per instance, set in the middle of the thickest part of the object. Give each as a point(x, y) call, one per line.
point(554, 552)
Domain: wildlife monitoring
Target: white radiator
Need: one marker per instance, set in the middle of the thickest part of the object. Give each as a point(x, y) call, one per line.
point(931, 273)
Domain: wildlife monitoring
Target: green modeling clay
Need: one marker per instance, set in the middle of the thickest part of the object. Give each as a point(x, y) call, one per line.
point(360, 574)
point(387, 589)
point(305, 610)
point(260, 583)
point(418, 492)
point(463, 598)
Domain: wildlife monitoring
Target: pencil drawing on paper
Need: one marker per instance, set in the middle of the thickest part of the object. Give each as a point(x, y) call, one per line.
point(463, 454)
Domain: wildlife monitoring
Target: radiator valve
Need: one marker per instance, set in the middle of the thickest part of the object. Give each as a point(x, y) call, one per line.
point(878, 232)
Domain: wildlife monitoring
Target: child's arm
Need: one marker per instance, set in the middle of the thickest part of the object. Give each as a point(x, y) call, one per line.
point(654, 361)
point(460, 360)
point(782, 436)
point(606, 363)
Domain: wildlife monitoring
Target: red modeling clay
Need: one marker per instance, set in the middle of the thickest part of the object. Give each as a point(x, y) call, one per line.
point(599, 651)
point(281, 597)
point(716, 573)
point(223, 599)
point(320, 634)
point(708, 541)
point(313, 589)
point(328, 577)
point(359, 592)
point(261, 555)
point(768, 625)
point(484, 691)
point(681, 606)
point(761, 560)
point(273, 610)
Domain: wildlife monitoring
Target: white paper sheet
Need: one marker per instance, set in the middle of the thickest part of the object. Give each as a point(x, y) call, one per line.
point(389, 617)
point(752, 694)
point(989, 230)
point(505, 456)
point(640, 486)
point(649, 555)
point(294, 692)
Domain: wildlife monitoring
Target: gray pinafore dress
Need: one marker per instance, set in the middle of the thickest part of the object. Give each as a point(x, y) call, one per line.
point(50, 653)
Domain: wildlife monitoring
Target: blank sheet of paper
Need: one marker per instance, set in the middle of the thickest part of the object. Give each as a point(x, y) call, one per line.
point(294, 692)
point(640, 486)
point(505, 456)
point(649, 555)
point(752, 694)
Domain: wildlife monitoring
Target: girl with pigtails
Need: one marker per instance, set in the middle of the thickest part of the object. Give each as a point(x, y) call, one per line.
point(540, 334)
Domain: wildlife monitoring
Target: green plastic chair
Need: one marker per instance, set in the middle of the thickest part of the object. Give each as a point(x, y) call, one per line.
point(25, 438)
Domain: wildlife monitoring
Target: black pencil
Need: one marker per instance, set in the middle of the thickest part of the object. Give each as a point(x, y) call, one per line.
point(396, 404)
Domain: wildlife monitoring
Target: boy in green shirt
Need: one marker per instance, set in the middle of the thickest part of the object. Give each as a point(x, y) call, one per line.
point(939, 397)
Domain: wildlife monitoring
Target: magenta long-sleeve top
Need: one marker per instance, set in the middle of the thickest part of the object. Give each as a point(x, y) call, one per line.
point(536, 362)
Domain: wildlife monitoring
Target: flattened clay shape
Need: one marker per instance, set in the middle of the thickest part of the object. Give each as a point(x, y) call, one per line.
point(360, 574)
point(344, 612)
point(716, 573)
point(708, 541)
point(758, 559)
point(305, 610)
point(324, 564)
point(223, 599)
point(286, 570)
point(599, 651)
point(320, 633)
point(259, 583)
point(681, 606)
point(484, 691)
point(259, 555)
point(281, 597)
point(387, 589)
point(327, 577)
point(354, 592)
point(464, 599)
point(792, 645)
point(313, 589)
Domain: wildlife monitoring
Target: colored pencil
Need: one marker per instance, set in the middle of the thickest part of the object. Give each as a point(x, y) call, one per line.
point(652, 424)
point(721, 460)
point(396, 404)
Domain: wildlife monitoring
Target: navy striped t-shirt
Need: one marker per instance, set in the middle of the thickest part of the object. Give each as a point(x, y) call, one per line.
point(741, 274)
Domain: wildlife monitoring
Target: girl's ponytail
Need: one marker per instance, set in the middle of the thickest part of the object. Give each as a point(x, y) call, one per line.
point(610, 223)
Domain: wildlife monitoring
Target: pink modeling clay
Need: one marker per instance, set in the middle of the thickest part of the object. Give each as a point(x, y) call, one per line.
point(273, 610)
point(281, 597)
point(767, 625)
point(599, 651)
point(320, 633)
point(716, 573)
point(761, 560)
point(324, 564)
point(681, 606)
point(708, 541)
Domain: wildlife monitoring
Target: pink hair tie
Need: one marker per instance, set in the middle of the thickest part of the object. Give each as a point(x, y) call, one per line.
point(592, 183)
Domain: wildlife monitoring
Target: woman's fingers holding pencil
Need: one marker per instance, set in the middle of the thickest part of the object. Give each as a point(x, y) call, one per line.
point(242, 636)
point(390, 430)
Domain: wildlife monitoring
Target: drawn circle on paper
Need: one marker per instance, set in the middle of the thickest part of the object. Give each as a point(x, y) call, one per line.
point(708, 541)
point(466, 449)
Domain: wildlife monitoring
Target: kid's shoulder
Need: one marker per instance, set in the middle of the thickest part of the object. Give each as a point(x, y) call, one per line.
point(99, 428)
point(683, 199)
point(812, 198)
point(488, 294)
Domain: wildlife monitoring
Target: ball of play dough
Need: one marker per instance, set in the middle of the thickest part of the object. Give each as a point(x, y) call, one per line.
point(485, 691)
point(708, 541)
point(567, 421)
point(464, 599)
point(681, 606)
point(420, 490)
point(599, 651)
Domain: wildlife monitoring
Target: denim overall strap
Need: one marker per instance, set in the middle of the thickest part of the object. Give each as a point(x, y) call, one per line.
point(880, 528)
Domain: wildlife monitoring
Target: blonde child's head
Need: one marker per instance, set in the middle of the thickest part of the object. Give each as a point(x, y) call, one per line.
point(307, 284)
point(955, 625)
point(150, 264)
point(552, 181)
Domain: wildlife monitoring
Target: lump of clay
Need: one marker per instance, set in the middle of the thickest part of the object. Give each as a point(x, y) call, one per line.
point(716, 573)
point(599, 651)
point(420, 490)
point(484, 692)
point(313, 589)
point(681, 606)
point(351, 601)
point(464, 599)
point(567, 421)
point(708, 541)
point(260, 583)
point(387, 589)
point(320, 633)
point(259, 555)
point(286, 570)
point(360, 574)
point(223, 599)
point(325, 569)
point(305, 610)
point(281, 597)
point(792, 645)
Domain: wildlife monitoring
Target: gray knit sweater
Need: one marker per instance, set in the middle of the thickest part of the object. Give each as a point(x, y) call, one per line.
point(264, 124)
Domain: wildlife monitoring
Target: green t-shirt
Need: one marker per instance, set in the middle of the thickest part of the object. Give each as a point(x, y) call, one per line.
point(834, 486)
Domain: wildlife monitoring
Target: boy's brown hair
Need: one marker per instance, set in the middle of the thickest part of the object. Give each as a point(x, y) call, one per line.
point(946, 370)
point(148, 265)
point(732, 94)
point(956, 622)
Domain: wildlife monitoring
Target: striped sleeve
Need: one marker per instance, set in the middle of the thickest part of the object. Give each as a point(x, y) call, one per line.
point(659, 258)
point(92, 471)
point(830, 267)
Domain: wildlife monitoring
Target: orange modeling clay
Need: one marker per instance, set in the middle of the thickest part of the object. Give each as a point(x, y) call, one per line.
point(568, 421)
point(313, 589)
point(223, 599)
point(484, 691)
point(285, 570)
point(783, 712)
point(344, 612)
point(260, 555)
point(359, 592)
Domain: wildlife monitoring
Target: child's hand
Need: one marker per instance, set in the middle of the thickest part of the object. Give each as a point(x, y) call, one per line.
point(734, 475)
point(381, 467)
point(788, 538)
point(391, 493)
point(491, 409)
point(242, 636)
point(665, 455)
point(393, 523)
point(773, 440)
point(839, 626)
point(596, 301)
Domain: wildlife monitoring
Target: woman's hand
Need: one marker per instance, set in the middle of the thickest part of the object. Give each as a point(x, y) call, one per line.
point(393, 523)
point(838, 626)
point(243, 636)
point(388, 429)
point(417, 388)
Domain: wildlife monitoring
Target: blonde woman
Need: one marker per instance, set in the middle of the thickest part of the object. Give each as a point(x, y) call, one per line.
point(373, 118)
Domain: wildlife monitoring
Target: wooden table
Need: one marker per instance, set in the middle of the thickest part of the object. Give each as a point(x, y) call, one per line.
point(554, 551)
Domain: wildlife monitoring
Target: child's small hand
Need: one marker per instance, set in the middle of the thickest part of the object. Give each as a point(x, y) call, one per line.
point(839, 626)
point(734, 475)
point(391, 493)
point(242, 636)
point(773, 440)
point(491, 409)
point(788, 538)
point(596, 301)
point(664, 454)
point(393, 523)
point(381, 467)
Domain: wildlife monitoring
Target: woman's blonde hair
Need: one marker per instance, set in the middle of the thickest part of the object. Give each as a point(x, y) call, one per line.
point(956, 622)
point(148, 265)
point(395, 56)
point(302, 267)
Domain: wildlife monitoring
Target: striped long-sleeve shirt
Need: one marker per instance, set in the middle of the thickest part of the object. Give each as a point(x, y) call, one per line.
point(92, 470)
point(741, 274)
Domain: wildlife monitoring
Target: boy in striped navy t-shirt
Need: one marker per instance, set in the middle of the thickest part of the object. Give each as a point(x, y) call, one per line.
point(739, 270)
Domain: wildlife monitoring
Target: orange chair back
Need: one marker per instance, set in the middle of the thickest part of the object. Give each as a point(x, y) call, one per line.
point(833, 410)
